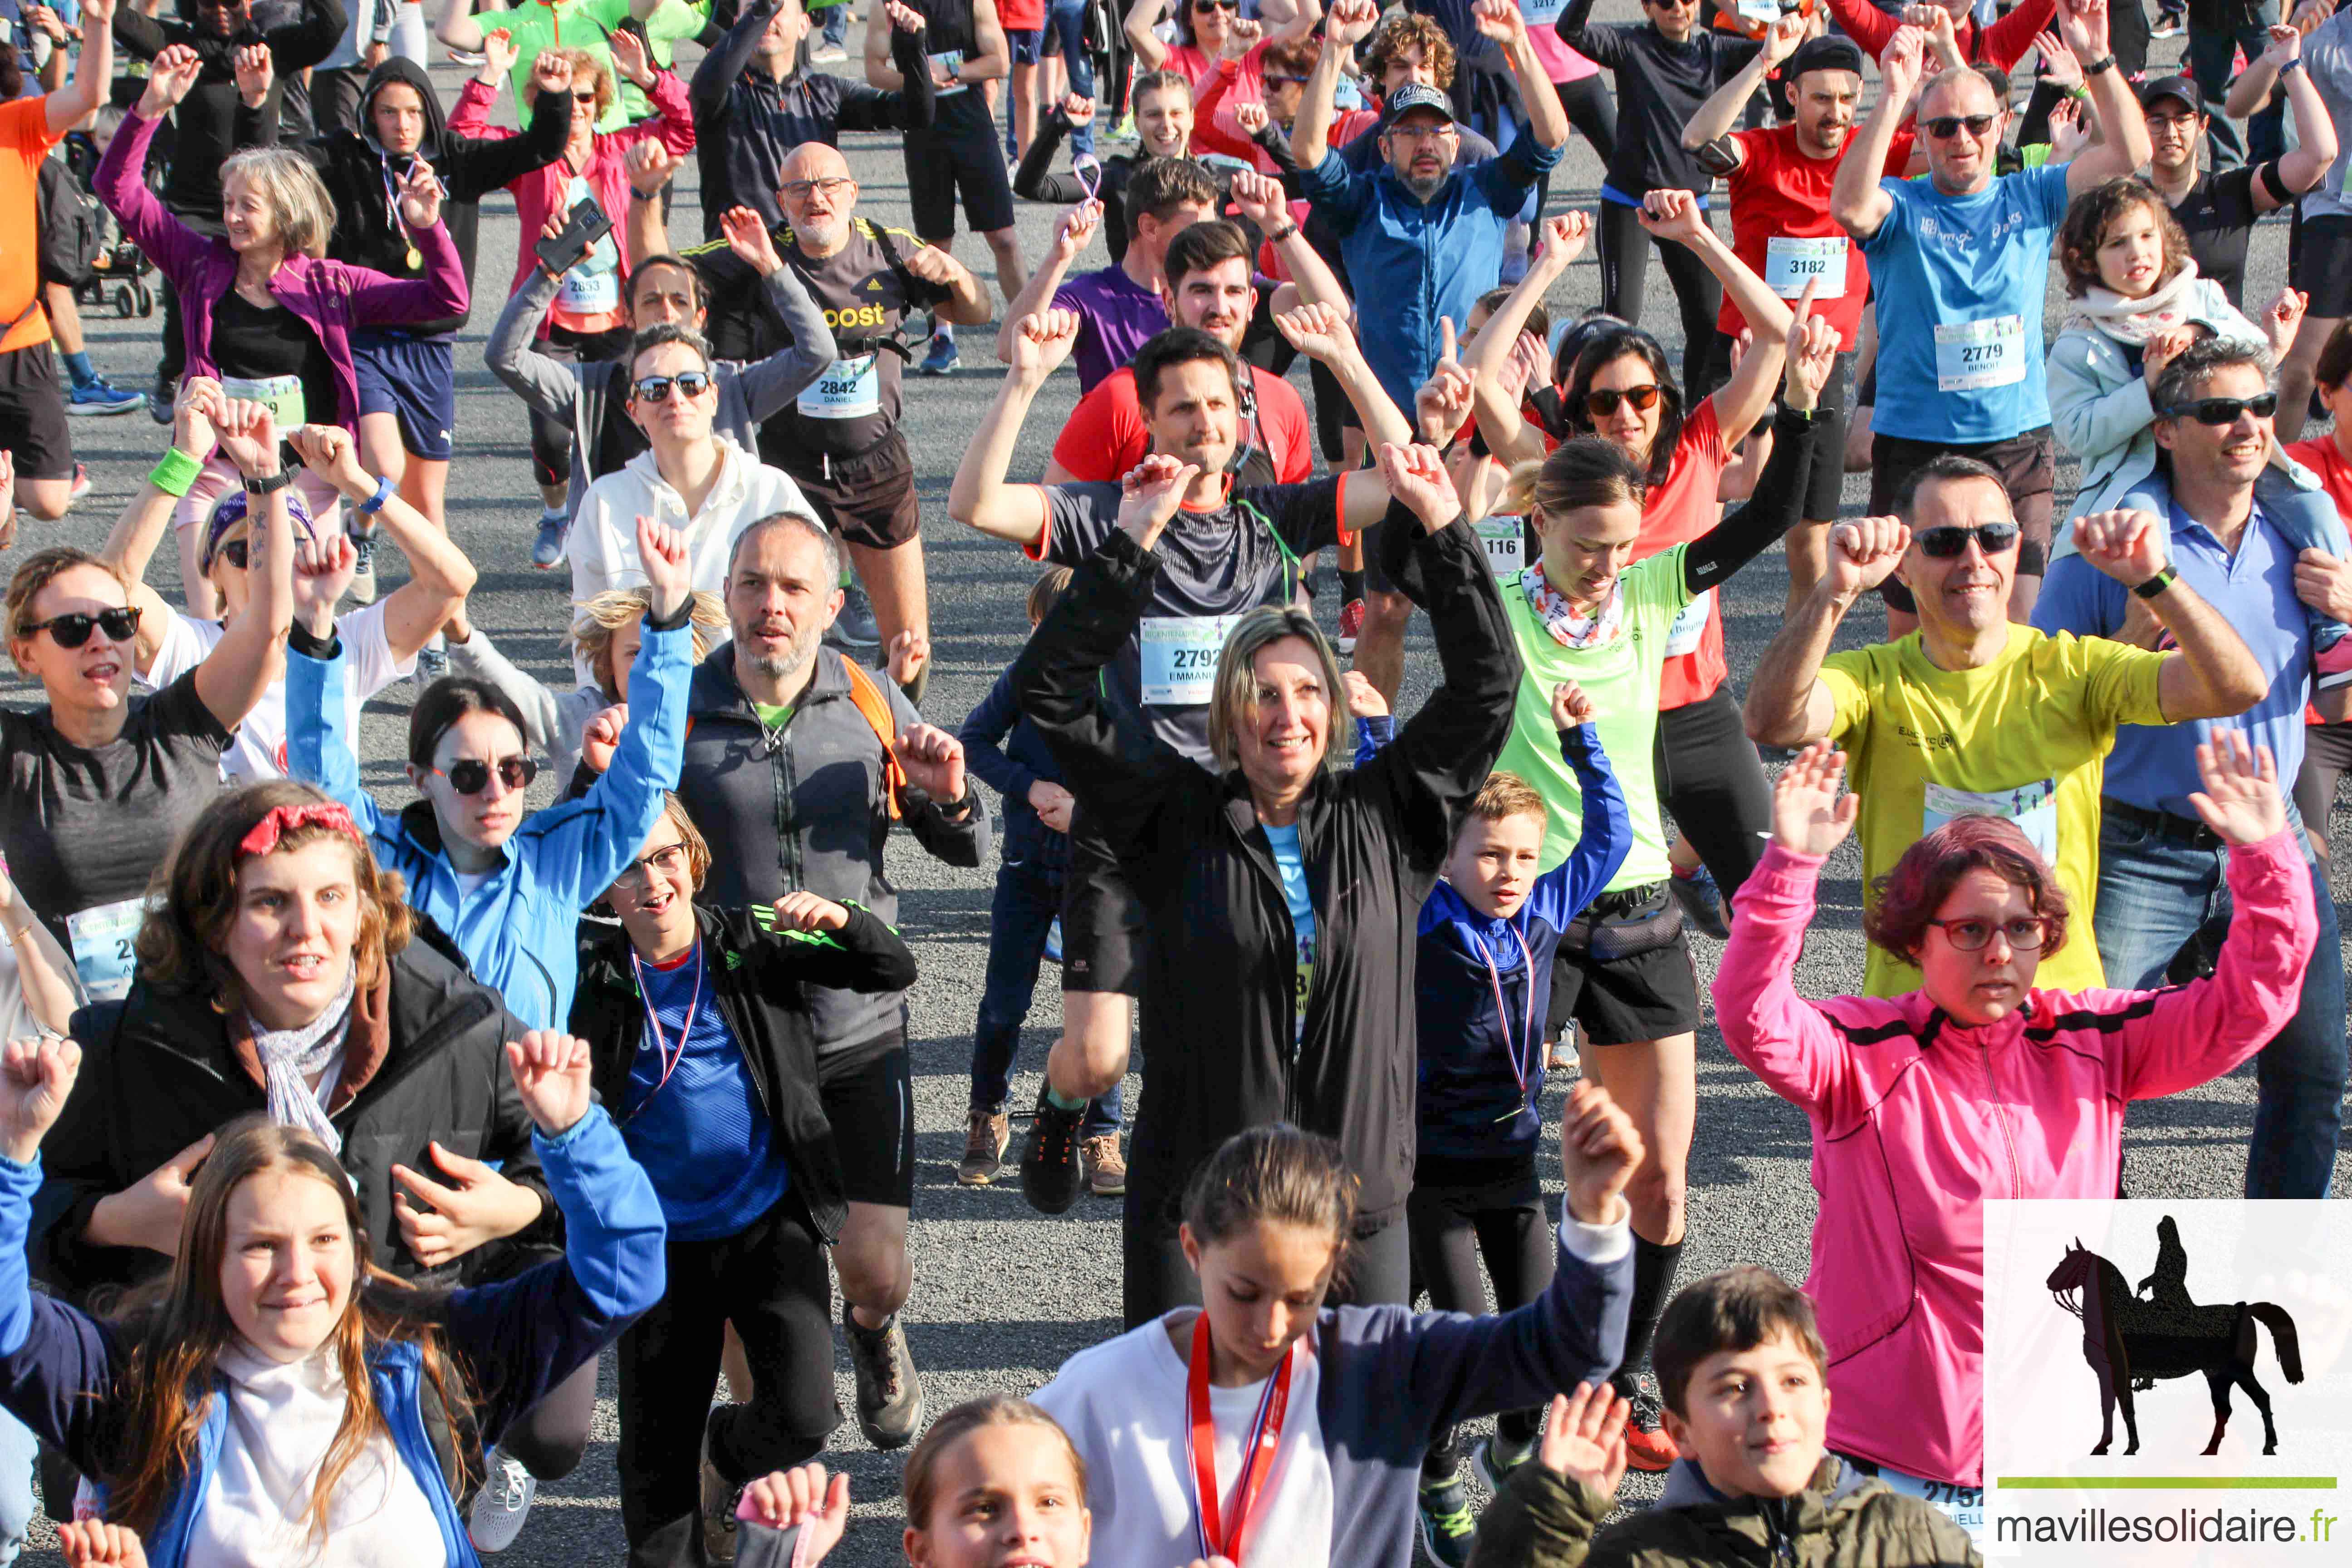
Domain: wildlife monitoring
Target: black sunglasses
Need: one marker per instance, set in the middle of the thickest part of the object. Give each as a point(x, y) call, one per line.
point(1943, 543)
point(656, 388)
point(472, 776)
point(73, 629)
point(2224, 410)
point(1602, 401)
point(234, 552)
point(1944, 127)
point(1205, 7)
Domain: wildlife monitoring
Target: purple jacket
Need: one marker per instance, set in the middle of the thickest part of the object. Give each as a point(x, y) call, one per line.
point(331, 297)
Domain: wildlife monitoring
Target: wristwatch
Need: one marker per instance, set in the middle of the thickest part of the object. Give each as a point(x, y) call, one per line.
point(2155, 586)
point(1277, 236)
point(2092, 67)
point(262, 487)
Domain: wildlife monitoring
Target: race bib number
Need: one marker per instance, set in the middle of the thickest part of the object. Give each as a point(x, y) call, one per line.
point(1791, 263)
point(849, 389)
point(946, 63)
point(1690, 625)
point(1971, 355)
point(590, 288)
point(2034, 807)
point(1542, 13)
point(1964, 1506)
point(1305, 971)
point(282, 394)
point(102, 947)
point(1764, 12)
point(1505, 538)
point(1222, 160)
point(1180, 657)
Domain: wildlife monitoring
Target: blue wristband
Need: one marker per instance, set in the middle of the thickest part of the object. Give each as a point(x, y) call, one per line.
point(384, 492)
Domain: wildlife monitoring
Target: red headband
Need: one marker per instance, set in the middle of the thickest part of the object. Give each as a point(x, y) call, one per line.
point(283, 819)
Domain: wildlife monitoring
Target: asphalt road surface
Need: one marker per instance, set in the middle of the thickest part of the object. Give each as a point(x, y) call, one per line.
point(1002, 1294)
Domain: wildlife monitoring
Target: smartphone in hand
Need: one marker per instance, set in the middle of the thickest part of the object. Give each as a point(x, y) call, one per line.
point(583, 228)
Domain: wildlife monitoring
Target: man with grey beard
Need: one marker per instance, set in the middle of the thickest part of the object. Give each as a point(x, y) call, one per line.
point(839, 439)
point(798, 764)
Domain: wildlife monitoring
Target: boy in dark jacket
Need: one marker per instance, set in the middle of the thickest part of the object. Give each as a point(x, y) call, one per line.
point(701, 1046)
point(1483, 963)
point(1740, 1366)
point(1025, 922)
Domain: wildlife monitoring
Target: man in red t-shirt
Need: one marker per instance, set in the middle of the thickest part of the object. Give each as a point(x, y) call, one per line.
point(1207, 284)
point(1781, 227)
point(2002, 43)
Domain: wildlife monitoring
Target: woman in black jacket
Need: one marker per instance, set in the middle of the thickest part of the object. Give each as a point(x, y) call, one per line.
point(700, 1046)
point(1282, 893)
point(408, 375)
point(283, 974)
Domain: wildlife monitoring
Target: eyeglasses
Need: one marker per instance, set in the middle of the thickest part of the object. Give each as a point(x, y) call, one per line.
point(1602, 403)
point(2024, 933)
point(1284, 80)
point(656, 388)
point(2180, 123)
point(472, 776)
point(234, 552)
point(2224, 410)
point(801, 190)
point(73, 629)
point(639, 873)
point(1203, 8)
point(1944, 127)
point(1943, 543)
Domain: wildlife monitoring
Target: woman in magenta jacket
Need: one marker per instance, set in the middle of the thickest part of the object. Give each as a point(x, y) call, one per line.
point(263, 310)
point(1976, 1086)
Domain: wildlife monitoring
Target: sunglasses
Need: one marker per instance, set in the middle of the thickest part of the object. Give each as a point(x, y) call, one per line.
point(639, 873)
point(588, 97)
point(1944, 127)
point(1943, 543)
point(656, 388)
point(472, 776)
point(1602, 401)
point(1203, 8)
point(235, 553)
point(800, 190)
point(73, 630)
point(1284, 80)
point(2224, 410)
point(2024, 933)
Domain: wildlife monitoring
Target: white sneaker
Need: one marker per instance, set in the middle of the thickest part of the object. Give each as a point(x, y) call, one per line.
point(502, 1504)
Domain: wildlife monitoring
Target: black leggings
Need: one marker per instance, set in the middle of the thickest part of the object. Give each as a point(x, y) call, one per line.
point(1504, 1222)
point(550, 1436)
point(1625, 265)
point(1592, 112)
point(1711, 782)
point(1380, 1266)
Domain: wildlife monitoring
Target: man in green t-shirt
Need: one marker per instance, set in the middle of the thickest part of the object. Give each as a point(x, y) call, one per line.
point(1972, 714)
point(589, 25)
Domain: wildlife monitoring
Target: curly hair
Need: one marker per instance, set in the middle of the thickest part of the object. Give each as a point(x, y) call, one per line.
point(182, 941)
point(1907, 899)
point(2088, 219)
point(583, 63)
point(1407, 31)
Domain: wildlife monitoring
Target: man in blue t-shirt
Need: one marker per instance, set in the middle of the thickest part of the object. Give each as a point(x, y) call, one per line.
point(1960, 262)
point(2161, 900)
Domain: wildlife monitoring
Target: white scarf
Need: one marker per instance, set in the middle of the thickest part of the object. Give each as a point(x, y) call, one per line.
point(2133, 321)
point(290, 1057)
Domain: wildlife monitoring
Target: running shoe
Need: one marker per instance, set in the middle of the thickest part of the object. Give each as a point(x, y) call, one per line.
point(1050, 1176)
point(1647, 1447)
point(432, 662)
point(547, 549)
point(1125, 130)
point(470, 58)
point(855, 626)
point(889, 1394)
point(161, 396)
point(2166, 27)
point(828, 55)
point(718, 1501)
point(1105, 1167)
point(104, 397)
point(942, 359)
point(80, 484)
point(1351, 622)
point(502, 1504)
point(363, 589)
point(1054, 941)
point(1701, 899)
point(1494, 1460)
point(985, 1138)
point(1448, 1525)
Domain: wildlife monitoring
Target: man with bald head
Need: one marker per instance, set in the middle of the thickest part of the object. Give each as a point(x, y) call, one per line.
point(1960, 262)
point(839, 439)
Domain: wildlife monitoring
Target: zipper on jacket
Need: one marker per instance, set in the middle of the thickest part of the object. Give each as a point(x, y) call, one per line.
point(2000, 1116)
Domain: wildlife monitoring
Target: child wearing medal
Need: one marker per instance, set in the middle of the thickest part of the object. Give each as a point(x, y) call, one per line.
point(698, 1028)
point(1265, 1427)
point(1482, 979)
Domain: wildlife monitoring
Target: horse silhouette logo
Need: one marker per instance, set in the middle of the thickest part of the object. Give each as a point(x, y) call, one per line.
point(2134, 1342)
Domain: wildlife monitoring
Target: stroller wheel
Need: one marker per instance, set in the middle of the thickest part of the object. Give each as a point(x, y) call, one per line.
point(146, 299)
point(122, 299)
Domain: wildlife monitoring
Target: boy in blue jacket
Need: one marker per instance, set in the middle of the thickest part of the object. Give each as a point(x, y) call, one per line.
point(1487, 936)
point(1007, 754)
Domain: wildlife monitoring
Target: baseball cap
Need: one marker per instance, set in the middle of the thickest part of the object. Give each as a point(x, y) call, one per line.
point(2179, 87)
point(1824, 54)
point(1417, 95)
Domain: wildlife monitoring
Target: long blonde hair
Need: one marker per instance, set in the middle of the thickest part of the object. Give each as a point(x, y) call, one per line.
point(298, 204)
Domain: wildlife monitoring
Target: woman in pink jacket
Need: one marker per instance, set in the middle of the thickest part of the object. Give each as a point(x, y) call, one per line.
point(1976, 1086)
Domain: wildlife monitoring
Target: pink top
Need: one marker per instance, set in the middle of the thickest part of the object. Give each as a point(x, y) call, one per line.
point(1560, 63)
point(1917, 1120)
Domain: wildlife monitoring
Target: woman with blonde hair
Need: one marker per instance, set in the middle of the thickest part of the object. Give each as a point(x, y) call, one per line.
point(262, 310)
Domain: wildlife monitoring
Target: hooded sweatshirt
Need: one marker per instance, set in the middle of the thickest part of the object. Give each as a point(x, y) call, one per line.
point(362, 178)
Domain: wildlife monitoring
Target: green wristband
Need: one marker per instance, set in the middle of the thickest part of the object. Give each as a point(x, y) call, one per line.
point(175, 472)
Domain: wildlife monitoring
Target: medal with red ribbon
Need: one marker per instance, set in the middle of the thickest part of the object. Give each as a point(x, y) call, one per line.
point(1257, 1452)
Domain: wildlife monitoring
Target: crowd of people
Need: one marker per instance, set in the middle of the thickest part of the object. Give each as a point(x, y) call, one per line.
point(342, 1135)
